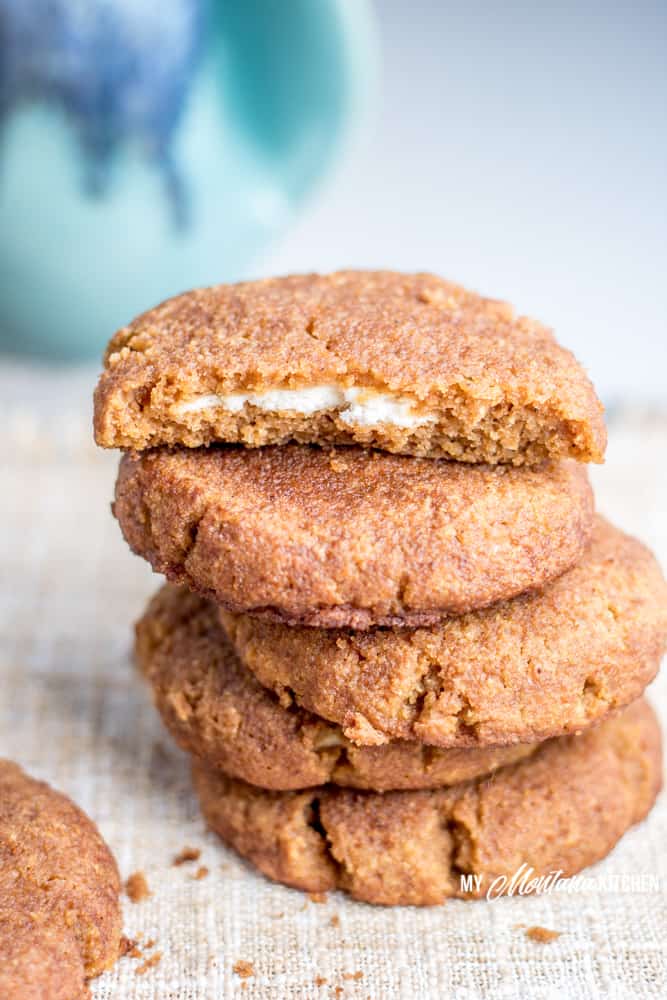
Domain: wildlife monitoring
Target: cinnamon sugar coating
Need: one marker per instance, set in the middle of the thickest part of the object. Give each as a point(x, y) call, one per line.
point(217, 710)
point(562, 809)
point(60, 919)
point(523, 670)
point(485, 384)
point(350, 538)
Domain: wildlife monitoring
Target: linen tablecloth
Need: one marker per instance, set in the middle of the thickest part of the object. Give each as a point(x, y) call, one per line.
point(74, 713)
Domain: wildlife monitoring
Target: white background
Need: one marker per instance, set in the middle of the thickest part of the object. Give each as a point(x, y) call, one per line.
point(520, 149)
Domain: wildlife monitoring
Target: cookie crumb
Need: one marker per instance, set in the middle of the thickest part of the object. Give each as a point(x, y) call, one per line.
point(321, 980)
point(126, 947)
point(243, 969)
point(335, 920)
point(201, 872)
point(150, 944)
point(136, 887)
point(317, 897)
point(542, 934)
point(187, 854)
point(150, 963)
point(354, 975)
point(338, 992)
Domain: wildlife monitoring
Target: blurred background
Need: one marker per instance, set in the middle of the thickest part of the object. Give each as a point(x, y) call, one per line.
point(147, 147)
point(521, 149)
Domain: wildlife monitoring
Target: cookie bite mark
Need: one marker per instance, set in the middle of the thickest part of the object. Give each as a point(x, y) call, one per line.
point(411, 364)
point(60, 920)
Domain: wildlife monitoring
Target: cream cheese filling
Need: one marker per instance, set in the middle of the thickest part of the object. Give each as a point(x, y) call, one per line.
point(356, 407)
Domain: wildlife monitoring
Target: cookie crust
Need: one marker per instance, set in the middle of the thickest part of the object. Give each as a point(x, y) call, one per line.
point(524, 670)
point(350, 538)
point(485, 384)
point(60, 917)
point(560, 810)
point(217, 710)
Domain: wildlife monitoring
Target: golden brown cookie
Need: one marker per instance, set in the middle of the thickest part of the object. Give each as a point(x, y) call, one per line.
point(215, 709)
point(60, 915)
point(520, 671)
point(350, 538)
point(558, 811)
point(407, 363)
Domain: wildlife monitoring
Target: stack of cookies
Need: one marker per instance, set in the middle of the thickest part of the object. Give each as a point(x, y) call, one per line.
point(405, 654)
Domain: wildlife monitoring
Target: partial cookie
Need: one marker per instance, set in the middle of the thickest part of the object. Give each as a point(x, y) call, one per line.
point(60, 917)
point(215, 709)
point(558, 811)
point(350, 538)
point(407, 363)
point(521, 671)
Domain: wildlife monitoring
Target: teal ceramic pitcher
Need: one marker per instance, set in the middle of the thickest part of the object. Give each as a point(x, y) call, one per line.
point(149, 146)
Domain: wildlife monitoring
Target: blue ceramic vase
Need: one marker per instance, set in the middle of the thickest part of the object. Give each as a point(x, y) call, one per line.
point(148, 146)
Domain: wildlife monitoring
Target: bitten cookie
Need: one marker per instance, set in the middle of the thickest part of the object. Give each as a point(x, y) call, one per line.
point(60, 915)
point(560, 810)
point(350, 538)
point(216, 709)
point(520, 671)
point(407, 363)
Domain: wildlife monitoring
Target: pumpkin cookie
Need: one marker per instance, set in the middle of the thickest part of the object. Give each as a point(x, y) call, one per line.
point(215, 709)
point(407, 363)
point(560, 810)
point(524, 670)
point(350, 538)
point(60, 916)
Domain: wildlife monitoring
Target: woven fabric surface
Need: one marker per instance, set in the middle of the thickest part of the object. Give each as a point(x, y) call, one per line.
point(74, 713)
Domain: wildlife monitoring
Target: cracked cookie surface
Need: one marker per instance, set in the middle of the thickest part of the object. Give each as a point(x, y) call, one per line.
point(60, 918)
point(537, 666)
point(562, 809)
point(408, 363)
point(350, 538)
point(217, 710)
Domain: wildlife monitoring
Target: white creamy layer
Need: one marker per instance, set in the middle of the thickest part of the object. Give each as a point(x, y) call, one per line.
point(359, 407)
